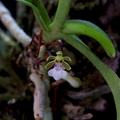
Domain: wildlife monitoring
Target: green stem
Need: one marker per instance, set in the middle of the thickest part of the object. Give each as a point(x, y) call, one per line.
point(109, 75)
point(61, 13)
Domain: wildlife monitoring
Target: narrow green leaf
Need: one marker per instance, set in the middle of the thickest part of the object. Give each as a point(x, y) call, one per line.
point(109, 75)
point(89, 29)
point(61, 13)
point(78, 39)
point(87, 23)
point(39, 12)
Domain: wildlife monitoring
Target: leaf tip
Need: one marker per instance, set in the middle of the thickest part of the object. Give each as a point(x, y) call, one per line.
point(112, 53)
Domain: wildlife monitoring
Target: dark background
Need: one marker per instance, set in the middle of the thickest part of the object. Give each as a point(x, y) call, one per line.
point(14, 78)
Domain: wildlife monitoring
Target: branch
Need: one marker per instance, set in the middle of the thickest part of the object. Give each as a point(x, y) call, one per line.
point(12, 26)
point(38, 105)
point(41, 100)
point(94, 93)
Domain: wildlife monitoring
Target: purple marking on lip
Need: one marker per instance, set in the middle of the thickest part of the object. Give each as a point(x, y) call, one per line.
point(55, 65)
point(58, 67)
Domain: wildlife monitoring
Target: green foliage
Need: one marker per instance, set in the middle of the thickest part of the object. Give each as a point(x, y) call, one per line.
point(83, 27)
point(39, 12)
point(66, 30)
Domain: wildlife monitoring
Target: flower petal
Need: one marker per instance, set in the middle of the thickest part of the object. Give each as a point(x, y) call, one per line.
point(63, 74)
point(50, 72)
point(57, 75)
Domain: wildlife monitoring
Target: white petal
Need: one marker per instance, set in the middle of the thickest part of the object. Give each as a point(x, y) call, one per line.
point(50, 72)
point(57, 75)
point(63, 74)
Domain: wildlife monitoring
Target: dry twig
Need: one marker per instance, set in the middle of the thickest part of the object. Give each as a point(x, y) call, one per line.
point(94, 93)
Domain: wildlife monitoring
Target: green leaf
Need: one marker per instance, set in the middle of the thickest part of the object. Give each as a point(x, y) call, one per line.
point(89, 29)
point(39, 12)
point(78, 39)
point(61, 13)
point(109, 75)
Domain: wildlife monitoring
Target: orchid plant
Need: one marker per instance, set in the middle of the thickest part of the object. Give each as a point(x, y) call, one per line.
point(67, 30)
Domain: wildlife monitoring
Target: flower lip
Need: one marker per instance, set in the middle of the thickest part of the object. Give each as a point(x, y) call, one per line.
point(57, 72)
point(58, 67)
